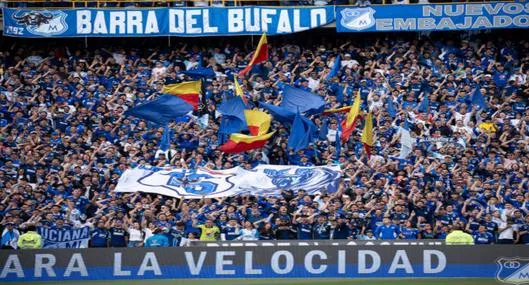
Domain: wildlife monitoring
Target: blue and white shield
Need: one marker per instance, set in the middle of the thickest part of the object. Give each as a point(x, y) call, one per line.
point(358, 19)
point(188, 182)
point(513, 270)
point(42, 23)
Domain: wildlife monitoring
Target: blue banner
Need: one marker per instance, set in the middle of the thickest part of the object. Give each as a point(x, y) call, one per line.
point(433, 17)
point(215, 21)
point(65, 237)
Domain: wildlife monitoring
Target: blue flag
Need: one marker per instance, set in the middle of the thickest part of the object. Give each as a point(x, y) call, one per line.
point(478, 99)
point(301, 133)
point(201, 72)
point(324, 129)
point(295, 99)
point(391, 108)
point(425, 104)
point(161, 110)
point(166, 139)
point(335, 68)
point(233, 118)
point(279, 113)
point(338, 142)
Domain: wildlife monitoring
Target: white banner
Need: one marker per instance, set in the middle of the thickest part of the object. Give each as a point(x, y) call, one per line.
point(261, 180)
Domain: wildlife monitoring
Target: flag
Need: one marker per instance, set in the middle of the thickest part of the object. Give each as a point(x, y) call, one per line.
point(295, 99)
point(188, 91)
point(338, 143)
point(339, 110)
point(161, 110)
point(279, 113)
point(166, 140)
point(367, 134)
point(233, 118)
point(335, 68)
point(240, 142)
point(258, 123)
point(425, 104)
point(238, 89)
point(201, 72)
point(406, 143)
point(349, 123)
point(478, 99)
point(324, 129)
point(391, 108)
point(300, 133)
point(260, 55)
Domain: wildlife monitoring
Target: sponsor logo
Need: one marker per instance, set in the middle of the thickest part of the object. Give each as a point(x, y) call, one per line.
point(513, 270)
point(42, 23)
point(358, 19)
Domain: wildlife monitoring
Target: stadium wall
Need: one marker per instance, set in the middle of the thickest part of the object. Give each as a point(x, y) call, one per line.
point(258, 260)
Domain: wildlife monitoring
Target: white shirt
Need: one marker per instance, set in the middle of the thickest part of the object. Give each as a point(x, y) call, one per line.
point(134, 234)
point(248, 234)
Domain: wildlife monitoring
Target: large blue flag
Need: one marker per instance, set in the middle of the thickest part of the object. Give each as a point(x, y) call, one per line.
point(301, 133)
point(280, 114)
point(161, 110)
point(478, 99)
point(295, 99)
point(200, 72)
point(166, 139)
point(335, 68)
point(425, 104)
point(233, 118)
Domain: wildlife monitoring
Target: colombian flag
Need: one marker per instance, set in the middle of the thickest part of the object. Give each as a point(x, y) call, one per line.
point(188, 91)
point(367, 134)
point(260, 55)
point(339, 110)
point(238, 89)
point(258, 124)
point(348, 124)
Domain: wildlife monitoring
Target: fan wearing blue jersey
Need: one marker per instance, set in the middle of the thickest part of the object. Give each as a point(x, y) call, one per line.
point(408, 231)
point(231, 231)
point(303, 227)
point(481, 236)
point(388, 230)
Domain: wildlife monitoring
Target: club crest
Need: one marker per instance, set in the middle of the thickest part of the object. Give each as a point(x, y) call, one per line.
point(43, 23)
point(358, 19)
point(513, 270)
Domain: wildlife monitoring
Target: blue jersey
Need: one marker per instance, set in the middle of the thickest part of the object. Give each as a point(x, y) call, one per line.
point(118, 237)
point(524, 239)
point(387, 232)
point(231, 233)
point(99, 237)
point(321, 231)
point(409, 233)
point(304, 231)
point(483, 238)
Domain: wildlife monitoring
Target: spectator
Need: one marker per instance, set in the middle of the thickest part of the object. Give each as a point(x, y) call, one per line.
point(458, 237)
point(157, 240)
point(10, 237)
point(30, 239)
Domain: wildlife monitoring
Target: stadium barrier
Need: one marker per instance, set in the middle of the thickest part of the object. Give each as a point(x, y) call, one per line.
point(263, 260)
point(254, 20)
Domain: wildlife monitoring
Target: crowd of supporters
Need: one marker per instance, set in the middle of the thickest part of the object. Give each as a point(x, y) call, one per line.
point(65, 140)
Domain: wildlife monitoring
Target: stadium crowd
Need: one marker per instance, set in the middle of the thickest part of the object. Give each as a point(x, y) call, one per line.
point(65, 141)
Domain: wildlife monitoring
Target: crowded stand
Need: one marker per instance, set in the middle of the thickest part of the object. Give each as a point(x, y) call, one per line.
point(450, 139)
